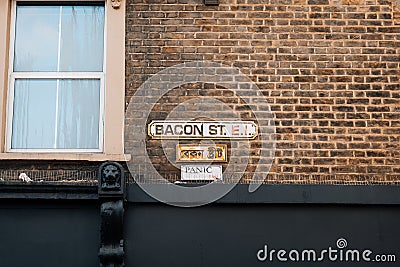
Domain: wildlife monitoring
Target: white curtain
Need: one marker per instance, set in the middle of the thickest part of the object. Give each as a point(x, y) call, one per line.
point(57, 113)
point(82, 39)
point(34, 116)
point(78, 119)
point(43, 119)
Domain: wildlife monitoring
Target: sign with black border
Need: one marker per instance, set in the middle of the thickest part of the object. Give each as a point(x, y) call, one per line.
point(202, 129)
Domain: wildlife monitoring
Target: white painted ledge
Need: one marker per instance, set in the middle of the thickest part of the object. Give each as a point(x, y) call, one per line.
point(65, 156)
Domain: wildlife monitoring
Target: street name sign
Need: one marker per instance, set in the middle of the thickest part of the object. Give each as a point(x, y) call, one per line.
point(202, 130)
point(201, 153)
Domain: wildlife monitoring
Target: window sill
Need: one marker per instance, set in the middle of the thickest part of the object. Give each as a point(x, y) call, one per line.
point(65, 156)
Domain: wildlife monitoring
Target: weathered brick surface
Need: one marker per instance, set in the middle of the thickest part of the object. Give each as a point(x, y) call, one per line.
point(328, 68)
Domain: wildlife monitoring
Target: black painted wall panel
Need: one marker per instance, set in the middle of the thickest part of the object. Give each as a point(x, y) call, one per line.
point(49, 234)
point(231, 235)
point(55, 233)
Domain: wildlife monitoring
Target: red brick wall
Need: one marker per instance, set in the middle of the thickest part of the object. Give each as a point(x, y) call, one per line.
point(328, 68)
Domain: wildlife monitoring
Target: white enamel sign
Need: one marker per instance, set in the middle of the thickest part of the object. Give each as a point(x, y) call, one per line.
point(202, 130)
point(201, 172)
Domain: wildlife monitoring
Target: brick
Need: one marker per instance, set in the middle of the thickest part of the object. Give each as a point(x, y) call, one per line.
point(329, 70)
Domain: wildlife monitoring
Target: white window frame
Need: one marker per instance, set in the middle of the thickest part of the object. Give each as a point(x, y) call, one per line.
point(53, 75)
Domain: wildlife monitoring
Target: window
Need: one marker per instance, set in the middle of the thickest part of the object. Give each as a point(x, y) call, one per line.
point(57, 79)
point(88, 70)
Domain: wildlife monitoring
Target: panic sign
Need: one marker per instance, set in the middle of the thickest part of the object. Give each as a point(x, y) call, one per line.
point(202, 130)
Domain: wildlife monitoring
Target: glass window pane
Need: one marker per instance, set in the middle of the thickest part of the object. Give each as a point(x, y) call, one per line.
point(59, 38)
point(36, 38)
point(82, 38)
point(56, 114)
point(78, 108)
point(34, 117)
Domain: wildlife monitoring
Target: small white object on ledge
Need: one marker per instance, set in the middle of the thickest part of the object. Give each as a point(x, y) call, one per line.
point(25, 178)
